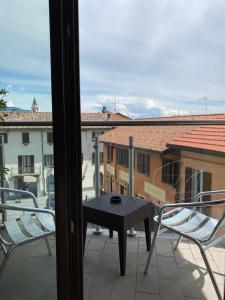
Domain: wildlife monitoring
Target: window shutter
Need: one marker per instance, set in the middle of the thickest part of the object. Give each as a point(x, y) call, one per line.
point(175, 173)
point(20, 164)
point(32, 163)
point(188, 183)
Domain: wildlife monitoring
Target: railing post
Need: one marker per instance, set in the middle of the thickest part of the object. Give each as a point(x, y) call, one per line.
point(97, 229)
point(2, 179)
point(131, 232)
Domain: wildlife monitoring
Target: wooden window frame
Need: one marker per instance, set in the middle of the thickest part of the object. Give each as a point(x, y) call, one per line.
point(122, 156)
point(65, 77)
point(143, 163)
point(170, 172)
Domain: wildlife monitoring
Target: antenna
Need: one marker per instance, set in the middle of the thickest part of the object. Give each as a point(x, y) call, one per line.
point(115, 106)
point(205, 98)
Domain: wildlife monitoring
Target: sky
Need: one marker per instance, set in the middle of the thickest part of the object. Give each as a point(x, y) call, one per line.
point(143, 58)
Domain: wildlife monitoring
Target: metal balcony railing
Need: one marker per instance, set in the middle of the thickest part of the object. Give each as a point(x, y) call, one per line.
point(26, 170)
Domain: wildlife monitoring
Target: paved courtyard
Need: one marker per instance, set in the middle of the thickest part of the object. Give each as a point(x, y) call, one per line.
point(30, 273)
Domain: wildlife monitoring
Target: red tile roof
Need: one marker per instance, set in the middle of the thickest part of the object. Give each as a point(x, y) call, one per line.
point(103, 117)
point(47, 116)
point(187, 117)
point(210, 138)
point(152, 138)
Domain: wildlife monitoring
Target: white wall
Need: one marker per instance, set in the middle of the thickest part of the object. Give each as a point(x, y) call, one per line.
point(15, 147)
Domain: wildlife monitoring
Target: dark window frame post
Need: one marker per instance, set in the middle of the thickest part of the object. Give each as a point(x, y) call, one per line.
point(64, 36)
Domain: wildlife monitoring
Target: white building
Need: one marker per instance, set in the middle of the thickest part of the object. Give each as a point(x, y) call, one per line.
point(28, 151)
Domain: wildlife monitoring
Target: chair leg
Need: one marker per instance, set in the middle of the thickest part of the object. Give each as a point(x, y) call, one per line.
point(151, 250)
point(48, 246)
point(178, 241)
point(6, 258)
point(210, 273)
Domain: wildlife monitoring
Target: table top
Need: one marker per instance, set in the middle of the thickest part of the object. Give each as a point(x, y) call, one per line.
point(128, 205)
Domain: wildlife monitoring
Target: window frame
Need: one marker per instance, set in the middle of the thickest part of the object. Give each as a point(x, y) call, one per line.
point(46, 156)
point(170, 171)
point(26, 164)
point(50, 137)
point(122, 156)
point(143, 162)
point(25, 138)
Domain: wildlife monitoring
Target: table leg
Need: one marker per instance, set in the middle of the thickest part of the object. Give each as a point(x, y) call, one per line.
point(147, 233)
point(110, 233)
point(84, 234)
point(122, 235)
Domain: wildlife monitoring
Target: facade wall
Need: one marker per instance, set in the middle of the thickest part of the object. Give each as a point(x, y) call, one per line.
point(154, 191)
point(206, 163)
point(38, 147)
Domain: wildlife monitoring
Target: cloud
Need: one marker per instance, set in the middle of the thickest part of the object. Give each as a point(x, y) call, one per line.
point(155, 57)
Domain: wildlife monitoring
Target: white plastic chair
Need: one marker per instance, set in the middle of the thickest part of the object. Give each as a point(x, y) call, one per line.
point(39, 224)
point(185, 220)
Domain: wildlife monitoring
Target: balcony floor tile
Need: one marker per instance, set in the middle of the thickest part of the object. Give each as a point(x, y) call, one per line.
point(30, 273)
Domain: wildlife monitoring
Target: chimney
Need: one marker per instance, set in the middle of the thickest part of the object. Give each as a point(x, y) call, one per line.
point(108, 116)
point(34, 106)
point(104, 110)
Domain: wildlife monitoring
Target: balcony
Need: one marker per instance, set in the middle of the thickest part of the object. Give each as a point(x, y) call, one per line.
point(172, 275)
point(32, 171)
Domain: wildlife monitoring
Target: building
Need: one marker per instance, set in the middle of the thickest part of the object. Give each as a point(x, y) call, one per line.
point(88, 135)
point(167, 162)
point(28, 151)
point(203, 151)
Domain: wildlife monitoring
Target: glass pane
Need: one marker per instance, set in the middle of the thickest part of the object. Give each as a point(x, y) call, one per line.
point(27, 158)
point(151, 61)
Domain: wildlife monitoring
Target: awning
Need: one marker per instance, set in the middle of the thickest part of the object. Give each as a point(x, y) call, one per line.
point(30, 179)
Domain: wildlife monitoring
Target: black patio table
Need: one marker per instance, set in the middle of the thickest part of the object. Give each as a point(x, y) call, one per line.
point(118, 217)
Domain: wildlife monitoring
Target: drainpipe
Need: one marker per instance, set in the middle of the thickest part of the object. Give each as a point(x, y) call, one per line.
point(131, 232)
point(97, 229)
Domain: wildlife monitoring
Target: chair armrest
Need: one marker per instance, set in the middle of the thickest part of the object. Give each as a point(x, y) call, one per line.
point(29, 209)
point(208, 193)
point(189, 204)
point(2, 189)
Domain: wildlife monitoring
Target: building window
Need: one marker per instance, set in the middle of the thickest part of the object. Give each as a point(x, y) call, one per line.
point(48, 160)
point(25, 138)
point(143, 163)
point(50, 137)
point(4, 137)
point(94, 134)
point(101, 157)
point(109, 153)
point(122, 156)
point(170, 171)
point(25, 164)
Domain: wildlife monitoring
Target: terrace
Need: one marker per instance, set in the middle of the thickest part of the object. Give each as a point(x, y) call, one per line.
point(172, 275)
point(181, 274)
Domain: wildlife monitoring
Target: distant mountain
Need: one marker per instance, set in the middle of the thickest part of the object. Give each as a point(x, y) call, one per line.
point(15, 109)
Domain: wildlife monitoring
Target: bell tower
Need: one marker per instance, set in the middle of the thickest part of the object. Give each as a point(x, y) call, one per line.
point(34, 106)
